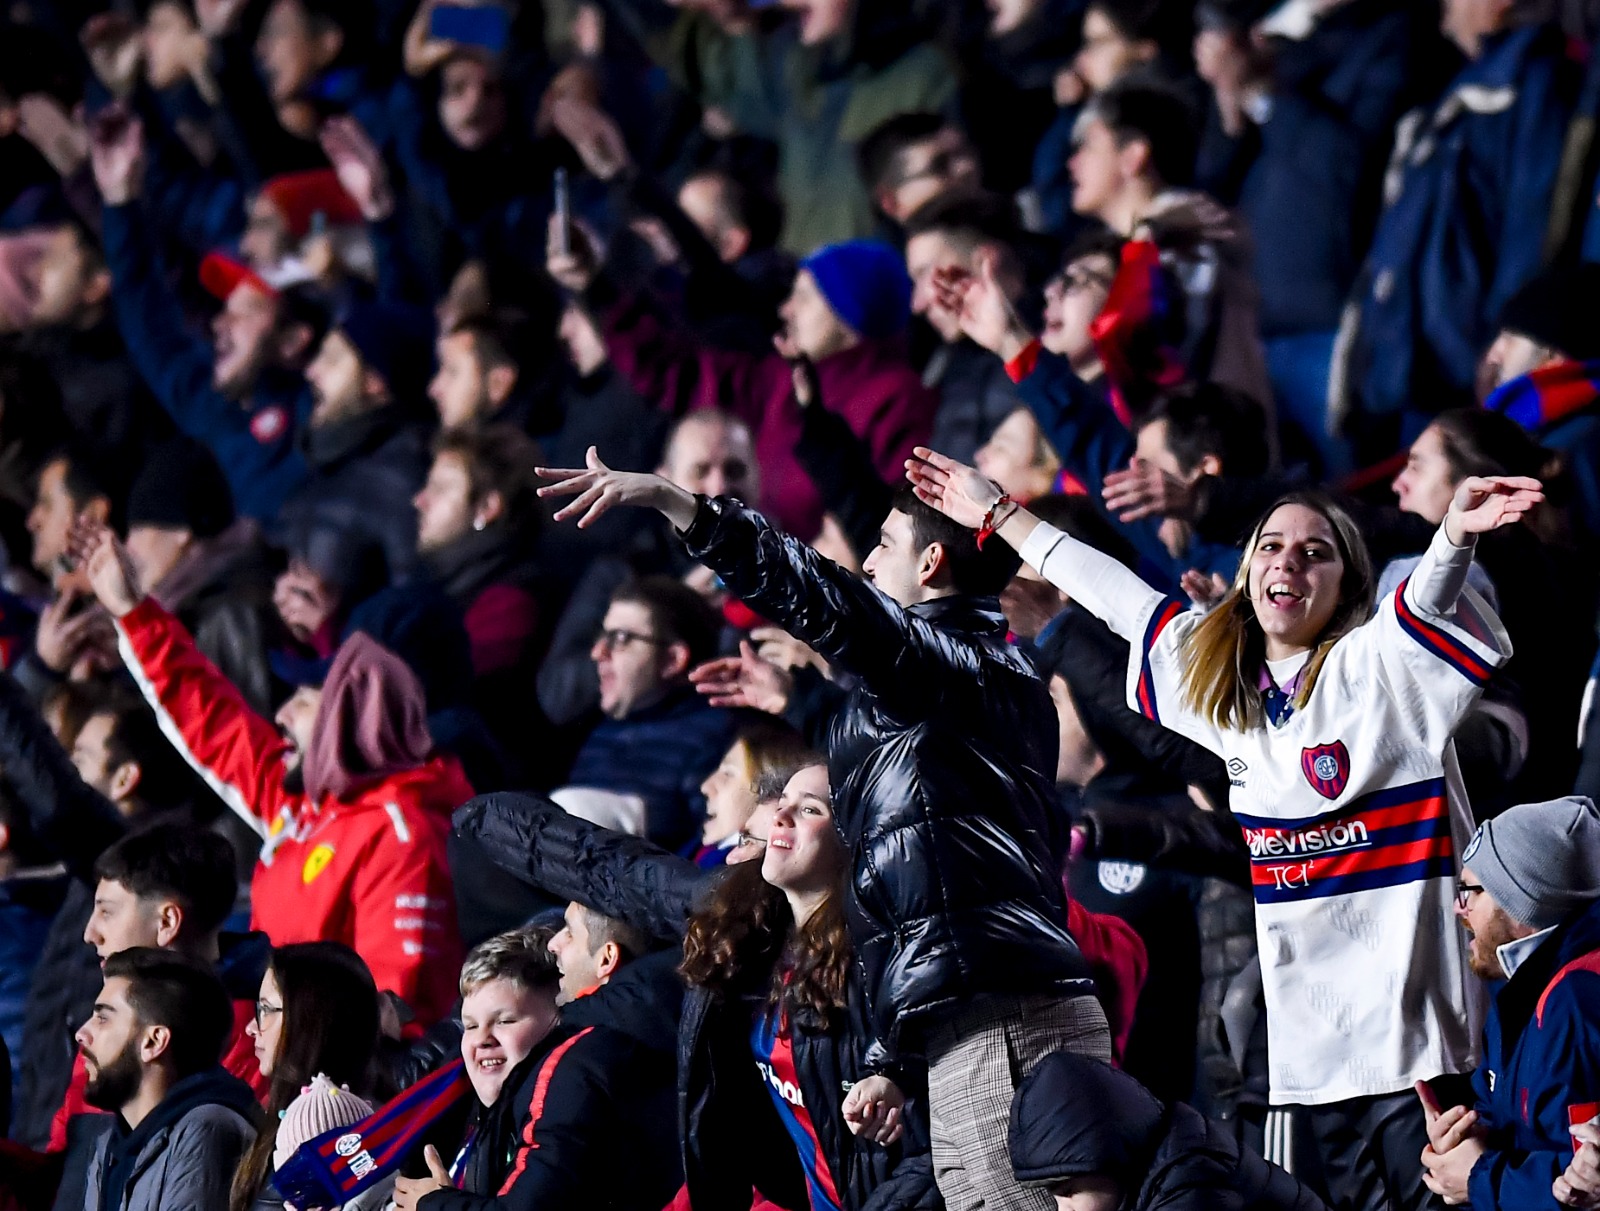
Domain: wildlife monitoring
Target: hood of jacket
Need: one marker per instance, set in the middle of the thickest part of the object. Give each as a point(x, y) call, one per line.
point(123, 1147)
point(371, 723)
point(1074, 1116)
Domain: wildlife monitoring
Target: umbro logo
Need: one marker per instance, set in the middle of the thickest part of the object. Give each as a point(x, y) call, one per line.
point(1236, 771)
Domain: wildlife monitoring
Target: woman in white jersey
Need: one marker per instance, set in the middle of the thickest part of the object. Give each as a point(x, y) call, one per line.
point(1334, 722)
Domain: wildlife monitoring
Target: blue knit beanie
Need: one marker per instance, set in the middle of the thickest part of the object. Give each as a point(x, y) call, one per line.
point(865, 284)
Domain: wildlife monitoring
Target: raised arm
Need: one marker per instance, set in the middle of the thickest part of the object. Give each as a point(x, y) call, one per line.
point(240, 755)
point(1089, 577)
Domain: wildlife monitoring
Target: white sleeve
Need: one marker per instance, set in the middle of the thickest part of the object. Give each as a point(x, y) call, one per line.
point(1436, 640)
point(1437, 580)
point(1092, 579)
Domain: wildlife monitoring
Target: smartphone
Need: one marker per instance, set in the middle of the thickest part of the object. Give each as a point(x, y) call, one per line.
point(487, 27)
point(563, 203)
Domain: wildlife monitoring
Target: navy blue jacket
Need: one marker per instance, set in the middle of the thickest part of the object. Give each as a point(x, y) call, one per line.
point(253, 439)
point(1541, 1056)
point(1092, 442)
point(661, 753)
point(1308, 179)
point(1469, 196)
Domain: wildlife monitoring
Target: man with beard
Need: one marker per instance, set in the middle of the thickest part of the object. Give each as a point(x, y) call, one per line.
point(151, 1048)
point(343, 786)
point(1530, 897)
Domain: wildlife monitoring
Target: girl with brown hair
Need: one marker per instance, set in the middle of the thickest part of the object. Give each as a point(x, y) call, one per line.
point(774, 1027)
point(1335, 724)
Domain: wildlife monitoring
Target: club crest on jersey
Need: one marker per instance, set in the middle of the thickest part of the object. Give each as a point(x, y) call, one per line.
point(1327, 768)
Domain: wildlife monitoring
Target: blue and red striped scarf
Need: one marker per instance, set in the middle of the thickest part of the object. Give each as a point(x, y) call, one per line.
point(335, 1167)
point(1134, 332)
point(1546, 395)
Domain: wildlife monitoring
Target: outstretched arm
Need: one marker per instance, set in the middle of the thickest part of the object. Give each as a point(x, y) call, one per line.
point(1089, 577)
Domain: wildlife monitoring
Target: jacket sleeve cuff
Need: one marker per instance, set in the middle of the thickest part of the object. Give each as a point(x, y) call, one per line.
point(141, 617)
point(702, 531)
point(1021, 366)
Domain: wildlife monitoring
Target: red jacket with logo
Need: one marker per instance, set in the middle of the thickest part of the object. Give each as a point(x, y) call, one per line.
point(367, 869)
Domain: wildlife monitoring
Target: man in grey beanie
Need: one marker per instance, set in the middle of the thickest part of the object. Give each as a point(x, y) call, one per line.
point(1529, 895)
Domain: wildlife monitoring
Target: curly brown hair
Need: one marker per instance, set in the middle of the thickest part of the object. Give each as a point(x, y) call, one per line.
point(744, 942)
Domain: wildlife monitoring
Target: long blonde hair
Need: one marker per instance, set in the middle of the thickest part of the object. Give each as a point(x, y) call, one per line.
point(1224, 655)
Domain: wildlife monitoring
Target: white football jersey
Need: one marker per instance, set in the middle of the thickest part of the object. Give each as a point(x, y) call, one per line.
point(1354, 814)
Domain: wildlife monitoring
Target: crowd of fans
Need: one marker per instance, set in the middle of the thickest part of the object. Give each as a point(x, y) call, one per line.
point(799, 605)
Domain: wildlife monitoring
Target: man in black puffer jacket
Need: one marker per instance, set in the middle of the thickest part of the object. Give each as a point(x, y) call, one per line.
point(1100, 1141)
point(941, 762)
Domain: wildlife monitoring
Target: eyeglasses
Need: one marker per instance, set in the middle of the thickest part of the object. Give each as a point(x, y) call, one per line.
point(264, 1010)
point(1464, 893)
point(619, 638)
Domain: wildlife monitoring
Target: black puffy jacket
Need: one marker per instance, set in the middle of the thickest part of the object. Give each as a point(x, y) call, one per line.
point(941, 763)
point(1075, 1116)
point(733, 1139)
point(560, 857)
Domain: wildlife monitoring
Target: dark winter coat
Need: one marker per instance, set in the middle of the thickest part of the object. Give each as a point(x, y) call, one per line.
point(1540, 1059)
point(975, 395)
point(1307, 180)
point(941, 765)
point(732, 1136)
point(1075, 1116)
point(364, 472)
point(1468, 200)
point(553, 1136)
point(661, 753)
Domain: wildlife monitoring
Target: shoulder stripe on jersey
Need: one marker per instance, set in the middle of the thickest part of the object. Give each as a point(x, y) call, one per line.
point(541, 1090)
point(1146, 693)
point(1589, 962)
point(1439, 641)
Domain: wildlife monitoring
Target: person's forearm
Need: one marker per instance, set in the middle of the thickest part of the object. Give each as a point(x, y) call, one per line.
point(1437, 582)
point(678, 506)
point(1088, 576)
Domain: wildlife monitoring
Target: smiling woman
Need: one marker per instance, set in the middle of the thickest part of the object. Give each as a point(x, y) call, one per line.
point(1336, 723)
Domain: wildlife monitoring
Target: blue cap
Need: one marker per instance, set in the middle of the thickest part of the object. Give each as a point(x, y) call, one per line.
point(865, 284)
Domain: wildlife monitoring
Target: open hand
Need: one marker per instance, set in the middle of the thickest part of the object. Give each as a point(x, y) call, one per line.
point(63, 636)
point(955, 489)
point(1487, 502)
point(599, 489)
point(1205, 591)
point(980, 303)
point(109, 567)
point(593, 134)
point(60, 136)
point(1144, 490)
point(744, 680)
point(359, 165)
point(873, 1109)
point(116, 150)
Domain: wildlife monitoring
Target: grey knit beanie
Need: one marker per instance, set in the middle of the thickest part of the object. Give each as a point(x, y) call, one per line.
point(1540, 861)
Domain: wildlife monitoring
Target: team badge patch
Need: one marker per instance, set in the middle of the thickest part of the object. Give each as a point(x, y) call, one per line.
point(1327, 768)
point(316, 863)
point(268, 425)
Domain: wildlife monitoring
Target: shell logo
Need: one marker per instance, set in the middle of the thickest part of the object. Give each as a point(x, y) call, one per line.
point(316, 863)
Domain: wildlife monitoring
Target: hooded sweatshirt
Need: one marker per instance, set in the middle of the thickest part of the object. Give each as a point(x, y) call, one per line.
point(117, 1160)
point(353, 842)
point(1074, 1117)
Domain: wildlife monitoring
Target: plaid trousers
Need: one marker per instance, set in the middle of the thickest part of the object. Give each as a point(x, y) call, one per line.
point(978, 1054)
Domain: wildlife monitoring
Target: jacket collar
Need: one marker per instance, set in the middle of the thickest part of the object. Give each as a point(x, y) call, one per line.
point(328, 445)
point(972, 615)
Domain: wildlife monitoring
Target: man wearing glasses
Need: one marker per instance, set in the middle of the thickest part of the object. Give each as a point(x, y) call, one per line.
point(1529, 897)
point(640, 769)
